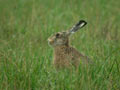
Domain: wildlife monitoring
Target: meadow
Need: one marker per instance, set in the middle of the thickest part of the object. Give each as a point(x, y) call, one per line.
point(26, 58)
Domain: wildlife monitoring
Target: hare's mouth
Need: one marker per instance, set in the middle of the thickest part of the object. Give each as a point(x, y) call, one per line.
point(50, 42)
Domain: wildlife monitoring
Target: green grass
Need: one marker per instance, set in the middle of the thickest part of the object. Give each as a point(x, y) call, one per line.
point(26, 58)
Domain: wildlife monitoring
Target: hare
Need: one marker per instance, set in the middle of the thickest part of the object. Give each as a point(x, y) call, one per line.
point(64, 54)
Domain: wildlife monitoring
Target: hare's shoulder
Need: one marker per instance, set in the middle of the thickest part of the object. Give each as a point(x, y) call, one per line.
point(75, 52)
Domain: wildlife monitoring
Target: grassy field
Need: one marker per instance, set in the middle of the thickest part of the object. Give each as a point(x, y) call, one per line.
point(26, 58)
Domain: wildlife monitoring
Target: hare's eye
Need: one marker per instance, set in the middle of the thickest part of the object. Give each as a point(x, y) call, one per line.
point(57, 35)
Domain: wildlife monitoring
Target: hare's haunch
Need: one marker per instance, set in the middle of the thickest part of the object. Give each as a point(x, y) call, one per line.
point(65, 55)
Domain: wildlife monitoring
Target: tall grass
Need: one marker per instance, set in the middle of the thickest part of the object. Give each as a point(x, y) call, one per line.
point(26, 58)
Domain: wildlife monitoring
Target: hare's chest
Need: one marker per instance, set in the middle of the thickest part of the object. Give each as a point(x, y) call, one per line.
point(62, 59)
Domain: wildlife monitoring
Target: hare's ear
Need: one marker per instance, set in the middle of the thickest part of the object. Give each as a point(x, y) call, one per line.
point(77, 26)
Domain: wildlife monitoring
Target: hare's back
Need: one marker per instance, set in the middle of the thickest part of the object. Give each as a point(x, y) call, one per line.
point(76, 55)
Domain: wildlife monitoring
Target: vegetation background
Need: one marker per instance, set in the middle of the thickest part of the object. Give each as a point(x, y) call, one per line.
point(26, 57)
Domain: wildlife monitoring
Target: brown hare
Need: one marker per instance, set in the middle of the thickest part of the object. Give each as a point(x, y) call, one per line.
point(64, 54)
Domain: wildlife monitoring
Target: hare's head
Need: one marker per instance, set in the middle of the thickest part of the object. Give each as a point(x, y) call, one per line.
point(62, 38)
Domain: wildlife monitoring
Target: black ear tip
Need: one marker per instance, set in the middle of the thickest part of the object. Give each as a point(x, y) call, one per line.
point(83, 21)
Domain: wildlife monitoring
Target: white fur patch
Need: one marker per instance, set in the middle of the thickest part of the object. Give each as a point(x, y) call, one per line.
point(81, 25)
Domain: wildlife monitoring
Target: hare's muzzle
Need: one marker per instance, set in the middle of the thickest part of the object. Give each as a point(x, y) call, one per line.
point(50, 41)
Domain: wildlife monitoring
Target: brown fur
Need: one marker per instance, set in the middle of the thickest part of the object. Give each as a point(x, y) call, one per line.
point(65, 55)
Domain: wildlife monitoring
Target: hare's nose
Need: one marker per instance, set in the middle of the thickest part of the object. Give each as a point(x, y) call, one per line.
point(49, 40)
